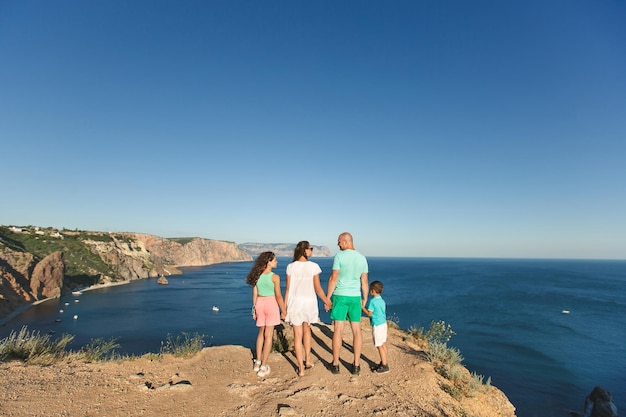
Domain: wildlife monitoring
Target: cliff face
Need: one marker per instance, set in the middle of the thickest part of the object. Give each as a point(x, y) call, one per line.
point(24, 280)
point(195, 252)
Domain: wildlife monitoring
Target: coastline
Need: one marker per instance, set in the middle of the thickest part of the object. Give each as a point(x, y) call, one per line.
point(106, 285)
point(22, 308)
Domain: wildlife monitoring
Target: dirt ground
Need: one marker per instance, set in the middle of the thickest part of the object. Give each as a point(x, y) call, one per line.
point(219, 381)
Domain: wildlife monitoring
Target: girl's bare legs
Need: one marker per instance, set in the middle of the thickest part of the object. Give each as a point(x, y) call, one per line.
point(268, 335)
point(259, 343)
point(297, 347)
point(306, 327)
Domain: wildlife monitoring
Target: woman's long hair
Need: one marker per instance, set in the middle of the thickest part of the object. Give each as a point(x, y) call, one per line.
point(259, 265)
point(300, 250)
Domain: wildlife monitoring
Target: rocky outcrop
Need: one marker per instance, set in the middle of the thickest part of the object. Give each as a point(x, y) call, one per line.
point(24, 280)
point(129, 259)
point(47, 278)
point(281, 249)
point(599, 403)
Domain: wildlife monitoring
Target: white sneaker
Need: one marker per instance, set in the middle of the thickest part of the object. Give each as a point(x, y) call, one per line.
point(257, 366)
point(264, 371)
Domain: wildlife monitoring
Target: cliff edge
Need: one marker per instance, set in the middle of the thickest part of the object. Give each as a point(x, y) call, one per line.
point(219, 381)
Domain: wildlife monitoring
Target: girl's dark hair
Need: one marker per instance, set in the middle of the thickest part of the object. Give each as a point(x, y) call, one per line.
point(259, 265)
point(300, 250)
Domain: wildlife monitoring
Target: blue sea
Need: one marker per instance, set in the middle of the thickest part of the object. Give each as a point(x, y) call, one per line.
point(507, 315)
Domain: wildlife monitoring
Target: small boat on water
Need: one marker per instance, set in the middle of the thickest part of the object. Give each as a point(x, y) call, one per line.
point(216, 308)
point(565, 311)
point(77, 292)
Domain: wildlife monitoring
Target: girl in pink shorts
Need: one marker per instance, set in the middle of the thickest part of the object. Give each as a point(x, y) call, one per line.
point(267, 299)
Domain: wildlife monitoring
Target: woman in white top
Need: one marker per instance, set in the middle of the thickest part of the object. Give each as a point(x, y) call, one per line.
point(303, 282)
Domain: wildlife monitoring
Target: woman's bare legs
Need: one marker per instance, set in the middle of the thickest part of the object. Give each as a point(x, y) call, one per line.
point(297, 347)
point(306, 337)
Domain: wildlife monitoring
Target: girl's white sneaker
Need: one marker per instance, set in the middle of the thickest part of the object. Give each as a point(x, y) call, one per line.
point(257, 366)
point(264, 371)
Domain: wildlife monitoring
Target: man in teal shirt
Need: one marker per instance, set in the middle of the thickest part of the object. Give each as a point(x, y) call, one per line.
point(347, 290)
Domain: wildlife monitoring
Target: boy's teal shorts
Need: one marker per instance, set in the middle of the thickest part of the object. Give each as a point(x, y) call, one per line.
point(345, 308)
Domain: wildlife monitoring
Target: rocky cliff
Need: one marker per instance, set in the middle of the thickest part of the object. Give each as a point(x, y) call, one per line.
point(192, 251)
point(281, 249)
point(37, 263)
point(26, 280)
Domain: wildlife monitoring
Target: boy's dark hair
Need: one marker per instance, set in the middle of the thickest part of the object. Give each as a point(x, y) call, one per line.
point(377, 286)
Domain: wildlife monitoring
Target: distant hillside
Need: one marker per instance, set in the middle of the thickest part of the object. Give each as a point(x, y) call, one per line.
point(281, 249)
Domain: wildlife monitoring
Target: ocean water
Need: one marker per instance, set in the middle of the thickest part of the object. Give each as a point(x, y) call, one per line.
point(507, 315)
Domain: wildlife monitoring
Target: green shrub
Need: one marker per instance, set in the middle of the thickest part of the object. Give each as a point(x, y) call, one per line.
point(439, 332)
point(416, 332)
point(455, 373)
point(440, 352)
point(153, 356)
point(454, 390)
point(393, 322)
point(477, 383)
point(283, 339)
point(33, 348)
point(182, 346)
point(99, 350)
point(181, 240)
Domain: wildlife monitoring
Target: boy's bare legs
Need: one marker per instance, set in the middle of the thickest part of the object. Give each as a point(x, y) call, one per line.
point(382, 351)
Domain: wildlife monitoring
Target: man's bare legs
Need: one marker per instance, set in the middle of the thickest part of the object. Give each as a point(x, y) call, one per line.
point(357, 340)
point(337, 340)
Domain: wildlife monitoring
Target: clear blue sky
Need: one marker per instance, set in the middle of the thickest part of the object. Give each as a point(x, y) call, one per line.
point(425, 128)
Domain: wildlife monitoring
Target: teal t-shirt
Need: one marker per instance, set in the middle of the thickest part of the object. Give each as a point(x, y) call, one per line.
point(350, 264)
point(378, 307)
